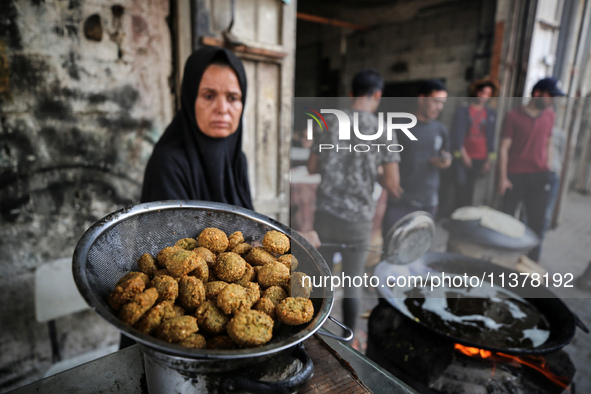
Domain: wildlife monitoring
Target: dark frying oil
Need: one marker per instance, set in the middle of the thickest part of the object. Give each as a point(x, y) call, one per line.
point(495, 321)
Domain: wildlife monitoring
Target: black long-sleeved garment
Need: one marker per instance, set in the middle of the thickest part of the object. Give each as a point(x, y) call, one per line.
point(187, 164)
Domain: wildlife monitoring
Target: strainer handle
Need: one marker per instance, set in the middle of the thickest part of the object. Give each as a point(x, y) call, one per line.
point(329, 334)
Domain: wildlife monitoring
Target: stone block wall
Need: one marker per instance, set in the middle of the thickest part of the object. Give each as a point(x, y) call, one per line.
point(84, 95)
point(440, 44)
point(410, 42)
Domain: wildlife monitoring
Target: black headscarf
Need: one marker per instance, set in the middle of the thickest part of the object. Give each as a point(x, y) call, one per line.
point(187, 164)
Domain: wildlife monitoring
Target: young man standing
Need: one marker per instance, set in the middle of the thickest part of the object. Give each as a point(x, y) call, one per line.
point(421, 160)
point(524, 172)
point(472, 138)
point(344, 202)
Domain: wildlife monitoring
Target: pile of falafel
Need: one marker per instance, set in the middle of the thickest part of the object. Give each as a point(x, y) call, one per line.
point(215, 291)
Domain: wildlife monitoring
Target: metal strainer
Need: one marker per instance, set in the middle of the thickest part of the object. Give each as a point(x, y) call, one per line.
point(112, 246)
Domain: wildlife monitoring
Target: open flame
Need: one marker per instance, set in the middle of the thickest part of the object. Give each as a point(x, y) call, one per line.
point(536, 362)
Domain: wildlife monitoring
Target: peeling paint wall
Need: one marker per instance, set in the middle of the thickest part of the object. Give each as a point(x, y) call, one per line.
point(84, 95)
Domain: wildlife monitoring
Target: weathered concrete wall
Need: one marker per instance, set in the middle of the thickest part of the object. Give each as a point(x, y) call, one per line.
point(440, 44)
point(84, 94)
point(436, 40)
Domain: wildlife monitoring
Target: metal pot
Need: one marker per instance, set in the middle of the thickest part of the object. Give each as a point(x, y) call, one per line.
point(171, 374)
point(562, 321)
point(110, 248)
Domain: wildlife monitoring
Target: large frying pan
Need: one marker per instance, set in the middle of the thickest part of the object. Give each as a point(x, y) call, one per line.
point(562, 321)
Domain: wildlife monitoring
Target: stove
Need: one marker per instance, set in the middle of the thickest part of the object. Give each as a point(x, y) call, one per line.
point(430, 363)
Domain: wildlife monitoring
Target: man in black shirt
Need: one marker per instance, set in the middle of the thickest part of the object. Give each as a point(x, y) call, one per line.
point(421, 160)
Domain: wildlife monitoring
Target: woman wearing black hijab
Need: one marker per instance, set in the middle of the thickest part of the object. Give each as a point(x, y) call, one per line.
point(199, 156)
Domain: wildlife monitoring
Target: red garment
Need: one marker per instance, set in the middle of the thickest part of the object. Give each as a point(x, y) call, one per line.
point(475, 140)
point(529, 140)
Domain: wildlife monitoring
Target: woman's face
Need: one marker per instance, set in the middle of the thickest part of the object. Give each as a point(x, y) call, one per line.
point(218, 106)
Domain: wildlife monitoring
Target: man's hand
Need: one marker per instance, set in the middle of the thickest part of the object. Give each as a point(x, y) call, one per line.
point(466, 160)
point(504, 184)
point(485, 168)
point(397, 191)
point(390, 178)
point(312, 237)
point(442, 161)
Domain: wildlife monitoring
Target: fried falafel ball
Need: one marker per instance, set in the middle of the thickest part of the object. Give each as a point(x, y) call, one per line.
point(201, 271)
point(191, 292)
point(235, 239)
point(221, 342)
point(212, 289)
point(147, 265)
point(231, 298)
point(275, 293)
point(167, 287)
point(250, 328)
point(165, 254)
point(289, 260)
point(266, 306)
point(182, 262)
point(253, 293)
point(249, 276)
point(276, 242)
point(207, 255)
point(126, 288)
point(230, 267)
point(300, 285)
point(259, 256)
point(213, 239)
point(176, 329)
point(137, 306)
point(294, 311)
point(211, 318)
point(152, 319)
point(194, 341)
point(242, 249)
point(186, 243)
point(273, 274)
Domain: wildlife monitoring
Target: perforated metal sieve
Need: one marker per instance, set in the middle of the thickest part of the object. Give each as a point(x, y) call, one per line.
point(112, 246)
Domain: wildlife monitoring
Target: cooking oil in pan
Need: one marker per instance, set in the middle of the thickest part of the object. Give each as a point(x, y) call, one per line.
point(488, 316)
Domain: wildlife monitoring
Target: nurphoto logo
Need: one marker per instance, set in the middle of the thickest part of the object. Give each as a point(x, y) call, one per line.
point(344, 132)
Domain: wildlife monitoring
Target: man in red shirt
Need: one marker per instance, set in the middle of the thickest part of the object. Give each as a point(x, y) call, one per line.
point(524, 173)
